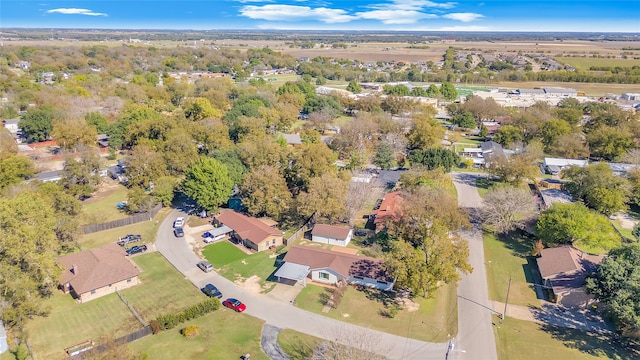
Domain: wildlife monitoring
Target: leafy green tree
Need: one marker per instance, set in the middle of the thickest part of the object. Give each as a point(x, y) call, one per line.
point(552, 130)
point(425, 133)
point(207, 182)
point(37, 124)
point(265, 192)
point(576, 224)
point(435, 158)
point(615, 284)
point(143, 166)
point(231, 159)
point(514, 169)
point(507, 135)
point(67, 209)
point(80, 177)
point(308, 161)
point(384, 157)
point(325, 198)
point(138, 201)
point(200, 108)
point(598, 187)
point(97, 121)
point(633, 177)
point(14, 169)
point(433, 91)
point(609, 142)
point(636, 232)
point(164, 189)
point(318, 102)
point(464, 120)
point(448, 91)
point(178, 151)
point(354, 87)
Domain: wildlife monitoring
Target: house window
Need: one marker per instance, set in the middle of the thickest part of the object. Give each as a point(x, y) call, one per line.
point(93, 292)
point(324, 276)
point(274, 241)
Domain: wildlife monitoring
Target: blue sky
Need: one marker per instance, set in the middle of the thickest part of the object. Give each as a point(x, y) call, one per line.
point(412, 15)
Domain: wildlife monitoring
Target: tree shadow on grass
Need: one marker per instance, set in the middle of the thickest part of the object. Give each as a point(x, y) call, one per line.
point(595, 344)
point(382, 297)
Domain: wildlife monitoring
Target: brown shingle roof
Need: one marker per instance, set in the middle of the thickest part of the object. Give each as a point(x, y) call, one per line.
point(565, 260)
point(96, 268)
point(331, 231)
point(389, 207)
point(247, 227)
point(344, 264)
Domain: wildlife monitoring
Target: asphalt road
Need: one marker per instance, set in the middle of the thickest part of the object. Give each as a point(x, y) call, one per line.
point(475, 339)
point(286, 316)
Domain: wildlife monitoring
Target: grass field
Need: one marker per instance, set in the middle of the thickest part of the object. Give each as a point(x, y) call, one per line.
point(525, 340)
point(584, 63)
point(102, 207)
point(222, 253)
point(433, 321)
point(591, 89)
point(224, 334)
point(163, 289)
point(508, 257)
point(297, 345)
point(148, 230)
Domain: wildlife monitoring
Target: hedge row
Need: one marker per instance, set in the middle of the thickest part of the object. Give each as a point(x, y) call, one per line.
point(171, 320)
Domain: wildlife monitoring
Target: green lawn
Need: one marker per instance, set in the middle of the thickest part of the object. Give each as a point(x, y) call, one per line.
point(163, 289)
point(148, 230)
point(102, 207)
point(297, 345)
point(585, 63)
point(627, 233)
point(433, 321)
point(485, 184)
point(518, 339)
point(505, 257)
point(235, 265)
point(224, 334)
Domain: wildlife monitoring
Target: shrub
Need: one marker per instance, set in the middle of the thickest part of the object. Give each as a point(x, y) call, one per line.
point(21, 352)
point(156, 326)
point(169, 321)
point(190, 331)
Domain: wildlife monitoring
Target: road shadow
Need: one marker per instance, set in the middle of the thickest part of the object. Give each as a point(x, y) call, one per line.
point(597, 344)
point(479, 304)
point(580, 319)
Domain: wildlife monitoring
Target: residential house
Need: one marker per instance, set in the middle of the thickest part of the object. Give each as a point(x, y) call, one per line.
point(331, 267)
point(96, 272)
point(251, 232)
point(564, 270)
point(292, 139)
point(630, 96)
point(331, 234)
point(621, 169)
point(554, 165)
point(49, 176)
point(103, 140)
point(491, 149)
point(388, 210)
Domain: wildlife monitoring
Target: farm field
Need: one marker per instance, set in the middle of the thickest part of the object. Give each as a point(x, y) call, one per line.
point(586, 62)
point(591, 89)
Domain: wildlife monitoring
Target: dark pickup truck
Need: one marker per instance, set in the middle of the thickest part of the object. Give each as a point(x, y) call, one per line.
point(136, 249)
point(127, 239)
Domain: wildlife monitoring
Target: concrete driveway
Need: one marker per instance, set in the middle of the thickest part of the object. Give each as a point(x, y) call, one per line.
point(285, 315)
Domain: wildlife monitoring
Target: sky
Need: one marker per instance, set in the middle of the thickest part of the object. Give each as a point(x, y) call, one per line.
point(381, 15)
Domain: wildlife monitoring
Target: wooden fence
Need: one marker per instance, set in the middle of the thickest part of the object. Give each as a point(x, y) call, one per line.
point(300, 232)
point(88, 229)
point(91, 352)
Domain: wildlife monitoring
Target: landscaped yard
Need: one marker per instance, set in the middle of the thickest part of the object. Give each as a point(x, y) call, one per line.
point(518, 339)
point(235, 265)
point(163, 289)
point(297, 345)
point(509, 257)
point(148, 230)
point(433, 320)
point(224, 334)
point(102, 207)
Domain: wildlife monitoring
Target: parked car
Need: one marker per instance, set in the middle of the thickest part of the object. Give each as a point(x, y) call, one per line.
point(179, 222)
point(234, 304)
point(121, 205)
point(178, 232)
point(208, 238)
point(136, 249)
point(129, 238)
point(205, 266)
point(211, 291)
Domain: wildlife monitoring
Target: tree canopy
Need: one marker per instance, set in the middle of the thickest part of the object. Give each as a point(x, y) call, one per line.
point(207, 182)
point(598, 187)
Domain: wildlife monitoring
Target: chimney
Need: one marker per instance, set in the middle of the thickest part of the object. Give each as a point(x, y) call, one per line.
point(74, 269)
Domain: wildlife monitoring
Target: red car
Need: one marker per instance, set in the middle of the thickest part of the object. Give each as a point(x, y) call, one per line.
point(234, 304)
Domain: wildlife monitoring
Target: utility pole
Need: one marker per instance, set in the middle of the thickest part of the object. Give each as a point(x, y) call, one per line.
point(506, 301)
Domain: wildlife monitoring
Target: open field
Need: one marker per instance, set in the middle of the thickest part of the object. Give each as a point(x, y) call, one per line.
point(224, 334)
point(509, 257)
point(584, 63)
point(102, 206)
point(163, 289)
point(429, 319)
point(524, 340)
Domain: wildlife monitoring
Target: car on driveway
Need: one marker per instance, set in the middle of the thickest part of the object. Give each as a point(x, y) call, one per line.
point(129, 238)
point(211, 291)
point(205, 266)
point(136, 249)
point(234, 304)
point(178, 232)
point(179, 222)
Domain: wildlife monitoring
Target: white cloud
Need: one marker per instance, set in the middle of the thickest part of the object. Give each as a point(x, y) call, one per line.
point(416, 5)
point(464, 17)
point(395, 16)
point(296, 13)
point(74, 11)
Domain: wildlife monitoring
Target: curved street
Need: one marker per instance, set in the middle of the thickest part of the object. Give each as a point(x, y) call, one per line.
point(286, 316)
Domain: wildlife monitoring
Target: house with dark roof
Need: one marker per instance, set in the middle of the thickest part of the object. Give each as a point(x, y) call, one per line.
point(564, 271)
point(330, 267)
point(93, 273)
point(252, 232)
point(388, 210)
point(331, 234)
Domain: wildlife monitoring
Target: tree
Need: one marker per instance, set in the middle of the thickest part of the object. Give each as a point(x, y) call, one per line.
point(143, 166)
point(164, 189)
point(200, 109)
point(74, 134)
point(576, 224)
point(570, 146)
point(138, 201)
point(598, 187)
point(615, 284)
point(552, 130)
point(97, 121)
point(325, 198)
point(633, 177)
point(265, 192)
point(636, 232)
point(464, 120)
point(308, 161)
point(433, 91)
point(384, 157)
point(27, 256)
point(232, 161)
point(8, 144)
point(507, 135)
point(609, 142)
point(207, 182)
point(354, 87)
point(448, 91)
point(425, 133)
point(80, 177)
point(67, 209)
point(514, 169)
point(14, 169)
point(435, 158)
point(37, 124)
point(507, 208)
